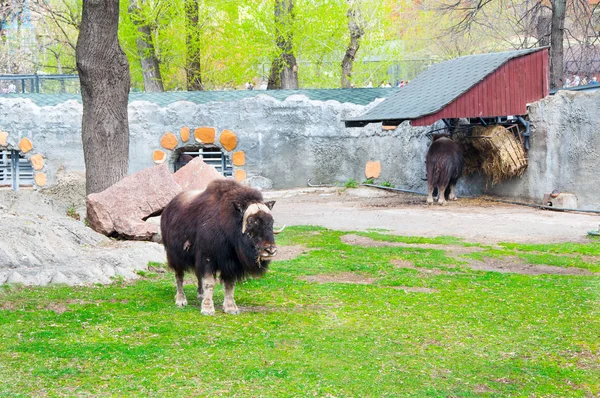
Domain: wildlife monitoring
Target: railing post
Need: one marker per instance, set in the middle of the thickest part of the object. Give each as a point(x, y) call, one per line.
point(14, 165)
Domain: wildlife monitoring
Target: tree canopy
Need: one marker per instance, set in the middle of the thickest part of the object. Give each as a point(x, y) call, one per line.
point(236, 41)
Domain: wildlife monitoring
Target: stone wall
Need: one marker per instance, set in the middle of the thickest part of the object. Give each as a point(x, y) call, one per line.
point(52, 135)
point(288, 142)
point(565, 150)
point(292, 141)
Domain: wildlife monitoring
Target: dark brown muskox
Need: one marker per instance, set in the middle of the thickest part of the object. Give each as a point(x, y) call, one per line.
point(444, 164)
point(226, 231)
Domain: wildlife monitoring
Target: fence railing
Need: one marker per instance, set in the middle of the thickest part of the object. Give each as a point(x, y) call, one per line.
point(38, 83)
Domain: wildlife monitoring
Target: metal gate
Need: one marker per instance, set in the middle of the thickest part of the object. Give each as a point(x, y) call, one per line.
point(15, 170)
point(210, 155)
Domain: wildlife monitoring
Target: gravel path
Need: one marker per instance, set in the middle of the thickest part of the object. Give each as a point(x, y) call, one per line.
point(404, 214)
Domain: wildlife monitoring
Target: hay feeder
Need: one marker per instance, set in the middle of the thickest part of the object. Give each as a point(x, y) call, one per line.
point(495, 149)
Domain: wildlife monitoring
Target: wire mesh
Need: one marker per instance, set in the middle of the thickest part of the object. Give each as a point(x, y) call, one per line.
point(358, 96)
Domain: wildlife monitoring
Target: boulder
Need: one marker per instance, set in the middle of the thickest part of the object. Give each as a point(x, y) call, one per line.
point(122, 209)
point(258, 182)
point(40, 244)
point(196, 175)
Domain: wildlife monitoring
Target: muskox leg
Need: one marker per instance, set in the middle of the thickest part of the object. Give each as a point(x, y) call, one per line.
point(208, 286)
point(452, 195)
point(442, 194)
point(180, 299)
point(200, 290)
point(229, 305)
point(430, 189)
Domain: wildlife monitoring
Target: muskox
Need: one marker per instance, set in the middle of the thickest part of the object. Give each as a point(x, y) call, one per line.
point(444, 164)
point(225, 231)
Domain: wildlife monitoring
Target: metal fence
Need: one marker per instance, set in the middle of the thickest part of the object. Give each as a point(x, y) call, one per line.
point(15, 170)
point(39, 84)
point(210, 155)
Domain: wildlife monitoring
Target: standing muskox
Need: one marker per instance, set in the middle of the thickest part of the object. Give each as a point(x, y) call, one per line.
point(225, 230)
point(444, 164)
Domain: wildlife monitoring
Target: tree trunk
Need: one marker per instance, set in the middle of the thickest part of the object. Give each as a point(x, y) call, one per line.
point(104, 77)
point(356, 33)
point(284, 69)
point(557, 33)
point(274, 82)
point(543, 25)
point(150, 65)
point(192, 61)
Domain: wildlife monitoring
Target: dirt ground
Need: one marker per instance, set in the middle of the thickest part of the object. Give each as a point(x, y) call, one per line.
point(475, 220)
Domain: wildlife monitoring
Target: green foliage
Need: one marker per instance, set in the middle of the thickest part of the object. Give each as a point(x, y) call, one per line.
point(72, 212)
point(237, 40)
point(351, 183)
point(369, 181)
point(474, 334)
point(387, 184)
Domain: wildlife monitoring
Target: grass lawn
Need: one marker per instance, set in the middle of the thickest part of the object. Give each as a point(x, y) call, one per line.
point(417, 321)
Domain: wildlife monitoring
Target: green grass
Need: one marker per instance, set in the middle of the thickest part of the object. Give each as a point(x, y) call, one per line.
point(351, 183)
point(478, 334)
point(586, 256)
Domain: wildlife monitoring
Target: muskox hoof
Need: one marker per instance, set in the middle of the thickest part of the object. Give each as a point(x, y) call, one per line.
point(207, 311)
point(231, 310)
point(429, 201)
point(180, 300)
point(442, 202)
point(208, 308)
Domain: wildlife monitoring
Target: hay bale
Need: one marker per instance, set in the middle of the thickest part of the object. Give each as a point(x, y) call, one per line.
point(502, 153)
point(471, 156)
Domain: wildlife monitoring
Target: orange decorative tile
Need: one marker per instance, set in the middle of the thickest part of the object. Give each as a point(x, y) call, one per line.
point(37, 161)
point(238, 158)
point(159, 156)
point(228, 140)
point(3, 138)
point(25, 145)
point(40, 179)
point(373, 170)
point(240, 175)
point(169, 141)
point(205, 135)
point(184, 133)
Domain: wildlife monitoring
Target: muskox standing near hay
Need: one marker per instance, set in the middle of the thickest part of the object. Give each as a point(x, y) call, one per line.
point(224, 231)
point(444, 164)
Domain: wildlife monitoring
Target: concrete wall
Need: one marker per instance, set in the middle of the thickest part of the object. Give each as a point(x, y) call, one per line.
point(298, 139)
point(565, 150)
point(55, 132)
point(288, 141)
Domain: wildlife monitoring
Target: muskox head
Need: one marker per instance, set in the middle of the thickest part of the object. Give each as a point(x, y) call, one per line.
point(257, 227)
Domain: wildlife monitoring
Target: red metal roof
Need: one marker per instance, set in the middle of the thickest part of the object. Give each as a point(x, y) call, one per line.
point(506, 91)
point(482, 85)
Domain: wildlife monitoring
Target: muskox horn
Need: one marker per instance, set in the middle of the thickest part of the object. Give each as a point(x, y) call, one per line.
point(278, 231)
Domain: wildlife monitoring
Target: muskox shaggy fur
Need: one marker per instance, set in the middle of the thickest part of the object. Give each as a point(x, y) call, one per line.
point(444, 164)
point(224, 231)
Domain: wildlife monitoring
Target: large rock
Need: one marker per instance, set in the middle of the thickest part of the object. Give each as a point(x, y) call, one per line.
point(122, 209)
point(196, 175)
point(258, 182)
point(40, 244)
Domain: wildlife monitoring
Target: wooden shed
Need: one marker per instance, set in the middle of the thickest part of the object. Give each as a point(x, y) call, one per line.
point(482, 86)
